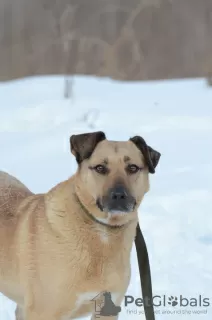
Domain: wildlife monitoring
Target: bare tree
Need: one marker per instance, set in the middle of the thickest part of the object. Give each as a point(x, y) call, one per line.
point(209, 81)
point(68, 87)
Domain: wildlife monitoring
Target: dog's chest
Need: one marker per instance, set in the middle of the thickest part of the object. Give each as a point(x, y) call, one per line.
point(89, 302)
point(106, 268)
point(107, 264)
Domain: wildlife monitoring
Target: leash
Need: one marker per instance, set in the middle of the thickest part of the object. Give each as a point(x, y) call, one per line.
point(145, 274)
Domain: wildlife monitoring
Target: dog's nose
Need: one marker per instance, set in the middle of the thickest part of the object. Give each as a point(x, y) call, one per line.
point(118, 194)
point(119, 199)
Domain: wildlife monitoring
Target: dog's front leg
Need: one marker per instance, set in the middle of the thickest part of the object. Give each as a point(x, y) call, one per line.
point(97, 317)
point(19, 313)
point(107, 307)
point(35, 316)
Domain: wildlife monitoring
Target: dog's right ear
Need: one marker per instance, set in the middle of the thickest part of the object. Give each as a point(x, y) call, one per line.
point(83, 145)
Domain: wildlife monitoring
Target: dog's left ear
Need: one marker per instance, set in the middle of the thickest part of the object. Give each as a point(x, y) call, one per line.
point(151, 156)
point(83, 145)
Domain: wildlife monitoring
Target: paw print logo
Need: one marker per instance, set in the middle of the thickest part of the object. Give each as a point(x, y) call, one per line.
point(172, 301)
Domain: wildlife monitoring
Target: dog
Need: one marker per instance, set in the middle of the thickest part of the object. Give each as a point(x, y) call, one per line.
point(60, 249)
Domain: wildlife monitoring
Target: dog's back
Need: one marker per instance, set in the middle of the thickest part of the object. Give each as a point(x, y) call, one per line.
point(12, 192)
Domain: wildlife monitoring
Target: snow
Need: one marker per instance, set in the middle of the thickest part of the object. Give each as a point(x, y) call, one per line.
point(175, 118)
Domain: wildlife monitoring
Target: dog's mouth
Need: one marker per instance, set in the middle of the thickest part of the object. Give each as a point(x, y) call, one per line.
point(116, 207)
point(99, 205)
point(117, 215)
point(117, 200)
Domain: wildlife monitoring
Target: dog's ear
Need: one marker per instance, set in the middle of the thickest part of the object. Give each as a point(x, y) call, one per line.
point(151, 156)
point(83, 145)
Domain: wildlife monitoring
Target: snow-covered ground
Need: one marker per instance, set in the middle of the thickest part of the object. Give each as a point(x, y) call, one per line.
point(175, 117)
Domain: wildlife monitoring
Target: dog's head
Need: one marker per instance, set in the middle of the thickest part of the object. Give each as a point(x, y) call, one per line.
point(112, 176)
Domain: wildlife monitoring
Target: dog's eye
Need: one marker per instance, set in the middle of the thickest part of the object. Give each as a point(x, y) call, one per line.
point(132, 168)
point(101, 169)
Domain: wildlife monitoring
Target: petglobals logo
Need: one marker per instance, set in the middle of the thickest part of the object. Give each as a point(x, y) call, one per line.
point(164, 301)
point(181, 301)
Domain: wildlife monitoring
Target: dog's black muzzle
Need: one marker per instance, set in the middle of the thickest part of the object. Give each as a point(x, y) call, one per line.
point(117, 200)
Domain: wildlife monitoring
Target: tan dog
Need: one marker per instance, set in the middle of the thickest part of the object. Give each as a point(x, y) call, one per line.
point(60, 250)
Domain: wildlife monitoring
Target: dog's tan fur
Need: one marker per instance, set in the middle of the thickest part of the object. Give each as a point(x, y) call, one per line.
point(53, 257)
